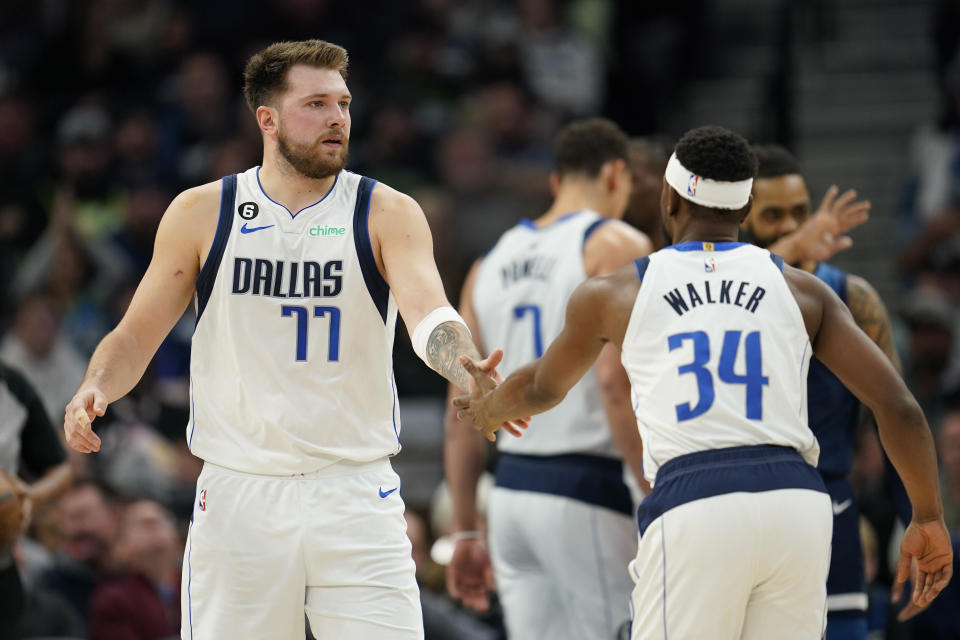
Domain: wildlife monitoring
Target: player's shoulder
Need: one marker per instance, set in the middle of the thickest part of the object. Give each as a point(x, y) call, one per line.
point(386, 198)
point(198, 200)
point(612, 244)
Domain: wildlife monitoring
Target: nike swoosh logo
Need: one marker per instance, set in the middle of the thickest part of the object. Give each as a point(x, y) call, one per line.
point(246, 229)
point(840, 507)
point(384, 494)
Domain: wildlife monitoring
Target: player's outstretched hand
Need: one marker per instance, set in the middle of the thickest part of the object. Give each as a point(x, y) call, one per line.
point(485, 375)
point(87, 405)
point(823, 235)
point(926, 557)
point(475, 404)
point(469, 575)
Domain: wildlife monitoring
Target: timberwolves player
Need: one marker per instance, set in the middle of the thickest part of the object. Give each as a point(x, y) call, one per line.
point(560, 516)
point(781, 206)
point(716, 337)
point(298, 269)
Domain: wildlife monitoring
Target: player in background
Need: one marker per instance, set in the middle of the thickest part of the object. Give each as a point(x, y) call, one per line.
point(297, 269)
point(781, 208)
point(560, 516)
point(716, 336)
point(648, 159)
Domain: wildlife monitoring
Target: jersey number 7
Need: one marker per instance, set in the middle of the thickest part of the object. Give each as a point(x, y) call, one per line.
point(301, 314)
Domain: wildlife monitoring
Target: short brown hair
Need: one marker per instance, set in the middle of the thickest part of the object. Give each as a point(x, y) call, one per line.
point(584, 146)
point(266, 71)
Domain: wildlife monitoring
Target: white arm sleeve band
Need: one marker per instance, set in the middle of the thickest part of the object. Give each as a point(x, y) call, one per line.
point(422, 333)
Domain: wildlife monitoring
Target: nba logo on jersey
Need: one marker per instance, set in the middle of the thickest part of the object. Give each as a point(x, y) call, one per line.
point(203, 500)
point(710, 265)
point(692, 184)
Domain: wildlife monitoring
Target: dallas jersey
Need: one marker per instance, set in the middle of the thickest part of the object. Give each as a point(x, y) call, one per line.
point(291, 366)
point(717, 353)
point(520, 298)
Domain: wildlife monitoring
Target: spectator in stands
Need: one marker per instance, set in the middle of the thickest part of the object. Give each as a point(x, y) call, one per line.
point(143, 602)
point(89, 525)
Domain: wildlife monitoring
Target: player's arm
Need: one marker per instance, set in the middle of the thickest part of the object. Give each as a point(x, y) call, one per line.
point(612, 245)
point(871, 315)
point(161, 297)
point(469, 575)
point(867, 372)
point(404, 253)
point(597, 313)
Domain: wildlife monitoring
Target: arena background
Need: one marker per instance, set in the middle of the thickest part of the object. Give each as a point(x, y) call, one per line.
point(109, 107)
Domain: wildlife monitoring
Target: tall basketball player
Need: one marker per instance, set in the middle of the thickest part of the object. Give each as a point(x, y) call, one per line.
point(560, 516)
point(781, 206)
point(298, 269)
point(716, 336)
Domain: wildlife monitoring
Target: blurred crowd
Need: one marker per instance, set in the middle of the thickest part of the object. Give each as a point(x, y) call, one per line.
point(108, 108)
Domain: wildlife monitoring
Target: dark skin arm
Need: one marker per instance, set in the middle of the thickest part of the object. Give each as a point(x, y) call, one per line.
point(871, 315)
point(869, 374)
point(599, 311)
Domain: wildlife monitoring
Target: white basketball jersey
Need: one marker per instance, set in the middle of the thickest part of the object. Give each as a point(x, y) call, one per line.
point(291, 368)
point(717, 353)
point(520, 297)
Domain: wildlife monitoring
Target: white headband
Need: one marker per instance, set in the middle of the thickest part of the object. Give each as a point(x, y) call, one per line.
point(704, 191)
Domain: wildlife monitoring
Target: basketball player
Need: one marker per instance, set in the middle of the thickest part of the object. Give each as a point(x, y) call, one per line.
point(560, 516)
point(781, 205)
point(716, 336)
point(298, 269)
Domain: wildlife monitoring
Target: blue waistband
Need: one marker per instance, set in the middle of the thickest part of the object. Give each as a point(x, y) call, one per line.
point(595, 480)
point(705, 474)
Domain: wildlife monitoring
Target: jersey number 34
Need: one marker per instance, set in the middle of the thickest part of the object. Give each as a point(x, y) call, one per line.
point(753, 378)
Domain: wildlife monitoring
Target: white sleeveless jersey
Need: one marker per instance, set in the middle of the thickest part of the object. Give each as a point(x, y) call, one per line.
point(291, 367)
point(520, 298)
point(717, 353)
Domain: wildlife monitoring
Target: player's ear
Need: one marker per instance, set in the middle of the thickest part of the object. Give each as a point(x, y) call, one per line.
point(743, 213)
point(611, 173)
point(554, 184)
point(267, 120)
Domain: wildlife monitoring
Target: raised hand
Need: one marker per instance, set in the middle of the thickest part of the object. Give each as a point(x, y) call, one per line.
point(926, 557)
point(822, 236)
point(487, 373)
point(85, 406)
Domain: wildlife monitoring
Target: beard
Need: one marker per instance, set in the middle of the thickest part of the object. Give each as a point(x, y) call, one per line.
point(313, 161)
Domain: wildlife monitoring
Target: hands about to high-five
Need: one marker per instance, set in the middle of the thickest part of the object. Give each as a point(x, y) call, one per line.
point(476, 404)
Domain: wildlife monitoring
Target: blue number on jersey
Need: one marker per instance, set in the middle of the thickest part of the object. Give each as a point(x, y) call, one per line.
point(701, 356)
point(519, 312)
point(333, 348)
point(753, 379)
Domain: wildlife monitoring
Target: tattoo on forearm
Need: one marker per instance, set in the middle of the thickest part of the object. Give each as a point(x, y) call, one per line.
point(447, 342)
point(871, 316)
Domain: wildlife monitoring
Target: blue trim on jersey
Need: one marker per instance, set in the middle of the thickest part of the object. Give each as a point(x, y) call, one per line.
point(696, 245)
point(594, 480)
point(528, 223)
point(193, 416)
point(714, 472)
point(294, 215)
point(377, 287)
point(593, 227)
point(663, 567)
point(642, 264)
point(777, 260)
point(208, 273)
point(393, 384)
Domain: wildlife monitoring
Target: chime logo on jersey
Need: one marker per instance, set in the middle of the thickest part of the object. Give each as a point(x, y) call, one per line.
point(322, 230)
point(203, 500)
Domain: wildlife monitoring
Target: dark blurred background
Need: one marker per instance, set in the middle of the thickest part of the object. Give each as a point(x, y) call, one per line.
point(108, 108)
